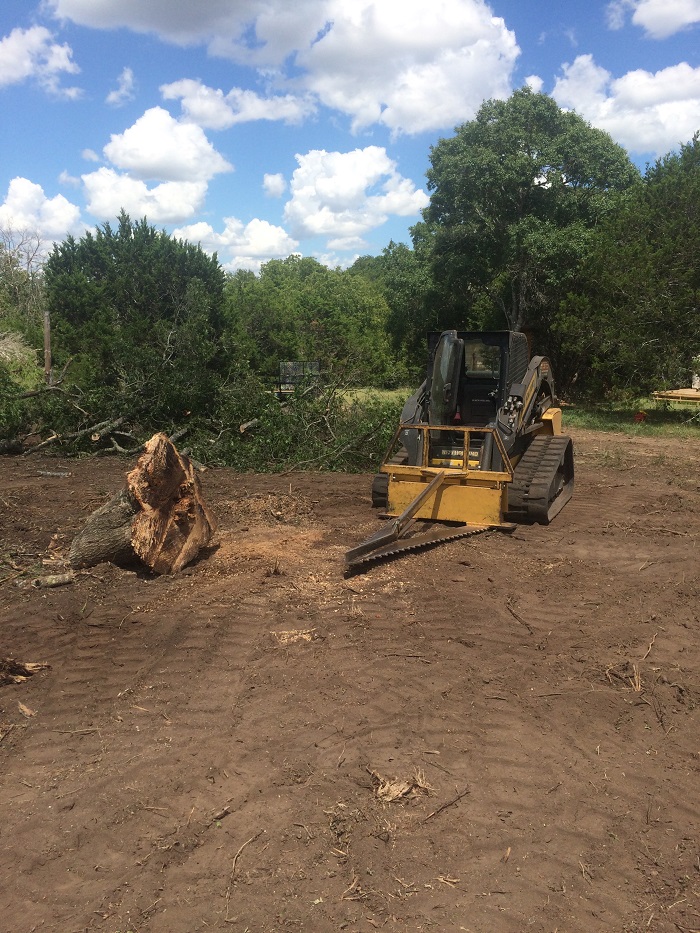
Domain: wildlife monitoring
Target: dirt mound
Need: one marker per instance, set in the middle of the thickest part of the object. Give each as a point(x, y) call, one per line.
point(496, 735)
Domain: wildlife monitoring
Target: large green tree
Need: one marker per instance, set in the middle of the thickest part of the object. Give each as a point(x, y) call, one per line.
point(634, 324)
point(141, 314)
point(298, 309)
point(404, 277)
point(516, 196)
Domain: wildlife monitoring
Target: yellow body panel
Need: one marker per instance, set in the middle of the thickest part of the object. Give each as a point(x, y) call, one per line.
point(551, 420)
point(466, 494)
point(470, 501)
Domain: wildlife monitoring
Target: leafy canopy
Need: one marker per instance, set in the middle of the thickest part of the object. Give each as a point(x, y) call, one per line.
point(141, 313)
point(298, 309)
point(515, 196)
point(634, 323)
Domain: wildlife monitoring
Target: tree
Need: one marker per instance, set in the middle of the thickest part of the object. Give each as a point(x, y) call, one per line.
point(21, 284)
point(141, 314)
point(634, 323)
point(403, 275)
point(516, 196)
point(298, 309)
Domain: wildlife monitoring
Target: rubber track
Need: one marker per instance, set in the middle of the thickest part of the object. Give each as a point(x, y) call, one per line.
point(417, 544)
point(380, 491)
point(380, 483)
point(529, 494)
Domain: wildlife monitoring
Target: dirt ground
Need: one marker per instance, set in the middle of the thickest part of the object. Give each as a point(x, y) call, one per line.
point(219, 750)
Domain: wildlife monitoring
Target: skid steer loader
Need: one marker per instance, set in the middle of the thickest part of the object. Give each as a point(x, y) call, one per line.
point(479, 446)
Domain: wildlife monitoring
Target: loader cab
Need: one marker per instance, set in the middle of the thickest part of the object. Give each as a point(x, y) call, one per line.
point(468, 380)
point(470, 373)
point(481, 392)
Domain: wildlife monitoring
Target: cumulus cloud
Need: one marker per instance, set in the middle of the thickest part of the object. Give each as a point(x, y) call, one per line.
point(26, 207)
point(124, 91)
point(32, 54)
point(239, 245)
point(377, 61)
point(158, 147)
point(279, 26)
point(388, 62)
point(211, 108)
point(645, 112)
point(658, 18)
point(274, 185)
point(107, 192)
point(535, 83)
point(343, 195)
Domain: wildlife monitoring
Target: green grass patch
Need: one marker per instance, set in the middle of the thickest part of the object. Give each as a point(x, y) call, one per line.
point(661, 419)
point(386, 396)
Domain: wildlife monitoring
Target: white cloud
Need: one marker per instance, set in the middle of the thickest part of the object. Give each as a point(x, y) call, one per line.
point(535, 83)
point(124, 91)
point(26, 207)
point(616, 13)
point(239, 245)
point(178, 157)
point(262, 32)
point(346, 194)
point(211, 108)
point(333, 261)
point(378, 61)
point(389, 62)
point(658, 18)
point(67, 179)
point(107, 192)
point(346, 243)
point(158, 147)
point(274, 185)
point(645, 112)
point(90, 155)
point(32, 53)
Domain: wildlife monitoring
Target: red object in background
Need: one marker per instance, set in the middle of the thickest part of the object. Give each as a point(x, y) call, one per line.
point(640, 416)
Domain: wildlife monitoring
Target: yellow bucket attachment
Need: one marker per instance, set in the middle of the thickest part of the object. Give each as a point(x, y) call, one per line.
point(468, 493)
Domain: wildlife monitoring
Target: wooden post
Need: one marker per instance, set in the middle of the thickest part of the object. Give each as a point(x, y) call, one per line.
point(47, 347)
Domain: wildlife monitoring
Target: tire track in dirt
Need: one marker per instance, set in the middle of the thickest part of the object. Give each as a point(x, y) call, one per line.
point(502, 665)
point(234, 774)
point(130, 737)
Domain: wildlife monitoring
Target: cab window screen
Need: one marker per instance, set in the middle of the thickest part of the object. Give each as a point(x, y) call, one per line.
point(481, 361)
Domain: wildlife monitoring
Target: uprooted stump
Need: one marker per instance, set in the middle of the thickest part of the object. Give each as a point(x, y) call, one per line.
point(159, 518)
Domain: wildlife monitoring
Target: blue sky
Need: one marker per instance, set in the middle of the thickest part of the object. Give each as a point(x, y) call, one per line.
point(261, 128)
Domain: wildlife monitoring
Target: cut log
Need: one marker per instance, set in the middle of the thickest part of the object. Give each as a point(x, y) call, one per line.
point(158, 519)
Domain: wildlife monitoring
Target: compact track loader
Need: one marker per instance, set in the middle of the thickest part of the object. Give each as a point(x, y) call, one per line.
point(479, 446)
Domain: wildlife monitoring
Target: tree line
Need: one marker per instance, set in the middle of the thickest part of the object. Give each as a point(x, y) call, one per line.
point(536, 222)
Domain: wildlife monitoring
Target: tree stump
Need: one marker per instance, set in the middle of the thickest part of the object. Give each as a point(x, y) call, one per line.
point(159, 518)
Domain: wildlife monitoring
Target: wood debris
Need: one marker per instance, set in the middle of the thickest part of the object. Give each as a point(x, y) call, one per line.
point(397, 789)
point(16, 672)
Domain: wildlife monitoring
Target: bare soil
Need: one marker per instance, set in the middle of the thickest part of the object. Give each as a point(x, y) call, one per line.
point(219, 750)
